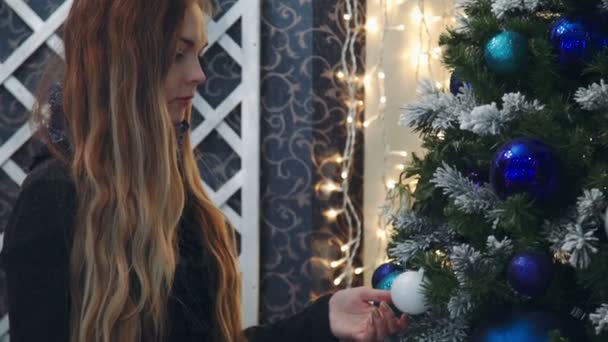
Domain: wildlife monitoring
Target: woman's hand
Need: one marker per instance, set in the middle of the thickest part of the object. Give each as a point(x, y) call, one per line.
point(353, 318)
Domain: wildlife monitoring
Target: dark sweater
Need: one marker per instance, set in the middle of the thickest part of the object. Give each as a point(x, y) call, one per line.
point(35, 256)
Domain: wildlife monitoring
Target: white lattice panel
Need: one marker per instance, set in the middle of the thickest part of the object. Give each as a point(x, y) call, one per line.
point(246, 180)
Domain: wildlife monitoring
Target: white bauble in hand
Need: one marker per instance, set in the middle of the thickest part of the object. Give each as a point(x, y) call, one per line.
point(406, 292)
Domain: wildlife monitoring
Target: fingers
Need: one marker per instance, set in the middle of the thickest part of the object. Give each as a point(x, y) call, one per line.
point(390, 319)
point(380, 325)
point(371, 331)
point(404, 322)
point(373, 295)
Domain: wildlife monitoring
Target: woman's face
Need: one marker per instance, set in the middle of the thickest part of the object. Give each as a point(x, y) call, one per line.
point(185, 73)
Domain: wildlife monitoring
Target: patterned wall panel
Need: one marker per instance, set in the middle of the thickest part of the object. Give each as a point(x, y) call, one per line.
point(225, 127)
point(303, 113)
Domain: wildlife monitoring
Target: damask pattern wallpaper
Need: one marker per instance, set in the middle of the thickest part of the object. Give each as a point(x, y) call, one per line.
point(302, 123)
point(303, 117)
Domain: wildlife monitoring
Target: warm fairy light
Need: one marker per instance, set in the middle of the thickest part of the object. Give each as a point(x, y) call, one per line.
point(337, 263)
point(382, 99)
point(328, 187)
point(340, 75)
point(332, 213)
point(358, 270)
point(399, 153)
point(349, 119)
point(439, 85)
point(347, 17)
point(372, 25)
point(441, 135)
point(400, 167)
point(391, 184)
point(360, 102)
point(344, 174)
point(381, 234)
point(369, 121)
point(397, 28)
point(339, 279)
point(381, 75)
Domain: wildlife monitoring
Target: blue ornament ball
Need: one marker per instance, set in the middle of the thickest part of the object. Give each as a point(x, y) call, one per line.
point(456, 83)
point(527, 325)
point(387, 282)
point(507, 52)
point(382, 272)
point(525, 166)
point(530, 273)
point(577, 40)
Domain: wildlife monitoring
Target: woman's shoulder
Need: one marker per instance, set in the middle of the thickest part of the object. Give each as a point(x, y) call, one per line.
point(44, 210)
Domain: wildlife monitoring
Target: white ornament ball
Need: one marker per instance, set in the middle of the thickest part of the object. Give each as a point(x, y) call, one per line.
point(406, 292)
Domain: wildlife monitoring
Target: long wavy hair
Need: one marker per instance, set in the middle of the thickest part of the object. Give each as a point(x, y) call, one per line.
point(132, 185)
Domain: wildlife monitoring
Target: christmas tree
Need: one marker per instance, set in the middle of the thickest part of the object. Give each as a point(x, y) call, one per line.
point(506, 237)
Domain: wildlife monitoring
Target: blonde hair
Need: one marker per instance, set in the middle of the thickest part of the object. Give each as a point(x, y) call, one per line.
point(132, 187)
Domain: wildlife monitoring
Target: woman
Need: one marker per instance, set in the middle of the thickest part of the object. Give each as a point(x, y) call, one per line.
point(112, 237)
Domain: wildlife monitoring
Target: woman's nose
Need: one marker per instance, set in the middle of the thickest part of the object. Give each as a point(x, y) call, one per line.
point(197, 74)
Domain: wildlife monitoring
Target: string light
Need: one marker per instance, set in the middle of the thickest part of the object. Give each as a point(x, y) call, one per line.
point(372, 25)
point(337, 263)
point(353, 83)
point(339, 279)
point(332, 213)
point(328, 186)
point(423, 56)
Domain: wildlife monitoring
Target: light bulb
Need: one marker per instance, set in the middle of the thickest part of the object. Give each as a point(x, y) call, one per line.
point(372, 25)
point(338, 280)
point(332, 213)
point(337, 263)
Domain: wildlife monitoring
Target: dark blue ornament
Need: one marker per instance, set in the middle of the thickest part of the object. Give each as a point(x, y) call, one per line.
point(577, 40)
point(456, 83)
point(383, 271)
point(507, 52)
point(530, 273)
point(478, 177)
point(525, 165)
point(565, 27)
point(530, 325)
